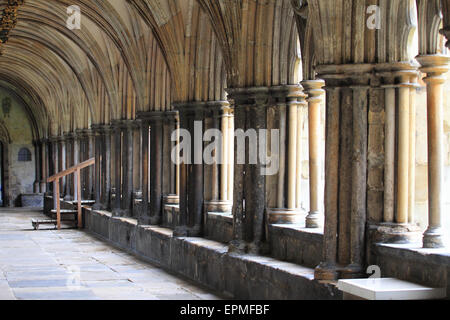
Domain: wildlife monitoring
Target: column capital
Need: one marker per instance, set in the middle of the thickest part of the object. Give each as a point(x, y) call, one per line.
point(435, 66)
point(314, 89)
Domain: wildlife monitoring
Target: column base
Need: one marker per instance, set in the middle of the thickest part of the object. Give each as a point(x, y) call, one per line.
point(352, 271)
point(394, 233)
point(326, 271)
point(433, 238)
point(36, 187)
point(218, 206)
point(171, 199)
point(314, 220)
point(284, 216)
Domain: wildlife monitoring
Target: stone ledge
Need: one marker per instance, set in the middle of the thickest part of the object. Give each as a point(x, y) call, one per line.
point(209, 263)
point(428, 267)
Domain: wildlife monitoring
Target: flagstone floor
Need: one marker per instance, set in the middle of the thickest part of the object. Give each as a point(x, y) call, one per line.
point(73, 265)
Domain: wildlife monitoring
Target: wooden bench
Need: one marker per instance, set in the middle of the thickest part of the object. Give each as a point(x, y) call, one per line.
point(388, 289)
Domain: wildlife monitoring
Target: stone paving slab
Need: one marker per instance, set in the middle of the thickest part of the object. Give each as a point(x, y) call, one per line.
point(73, 265)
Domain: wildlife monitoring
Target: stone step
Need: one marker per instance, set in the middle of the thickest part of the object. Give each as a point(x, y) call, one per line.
point(388, 289)
point(36, 223)
point(66, 211)
point(83, 202)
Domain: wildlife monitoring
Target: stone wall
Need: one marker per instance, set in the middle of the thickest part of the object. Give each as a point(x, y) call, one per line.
point(17, 124)
point(209, 263)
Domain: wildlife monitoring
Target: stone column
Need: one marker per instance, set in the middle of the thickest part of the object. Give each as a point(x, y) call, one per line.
point(137, 166)
point(191, 173)
point(216, 181)
point(144, 218)
point(53, 143)
point(435, 66)
point(44, 162)
point(315, 96)
point(249, 205)
point(117, 154)
point(391, 178)
point(230, 152)
point(127, 167)
point(347, 88)
point(62, 167)
point(412, 148)
point(285, 114)
point(76, 161)
point(38, 167)
point(69, 164)
point(105, 132)
point(403, 149)
point(98, 163)
point(91, 170)
point(156, 168)
point(170, 177)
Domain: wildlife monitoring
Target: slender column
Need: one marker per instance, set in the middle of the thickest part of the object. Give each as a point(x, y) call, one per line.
point(294, 127)
point(412, 149)
point(144, 218)
point(156, 158)
point(435, 66)
point(172, 119)
point(137, 166)
point(53, 143)
point(97, 180)
point(301, 112)
point(230, 153)
point(69, 164)
point(315, 96)
point(127, 167)
point(62, 163)
point(389, 158)
point(76, 161)
point(44, 162)
point(91, 169)
point(225, 157)
point(403, 150)
point(36, 186)
point(105, 132)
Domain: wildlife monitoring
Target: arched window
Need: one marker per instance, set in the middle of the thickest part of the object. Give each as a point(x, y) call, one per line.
point(24, 155)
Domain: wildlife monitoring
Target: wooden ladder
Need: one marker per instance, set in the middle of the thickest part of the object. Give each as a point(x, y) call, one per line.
point(76, 170)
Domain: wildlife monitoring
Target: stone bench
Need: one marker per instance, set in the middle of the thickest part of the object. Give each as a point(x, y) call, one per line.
point(388, 289)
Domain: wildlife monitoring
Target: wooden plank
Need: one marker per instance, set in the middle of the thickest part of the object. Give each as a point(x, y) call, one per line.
point(58, 208)
point(64, 173)
point(78, 179)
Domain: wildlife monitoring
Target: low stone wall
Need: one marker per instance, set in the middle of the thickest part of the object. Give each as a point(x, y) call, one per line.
point(209, 263)
point(423, 266)
point(303, 247)
point(34, 200)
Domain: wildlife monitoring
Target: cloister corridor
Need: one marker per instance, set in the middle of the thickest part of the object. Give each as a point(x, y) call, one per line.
point(47, 264)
